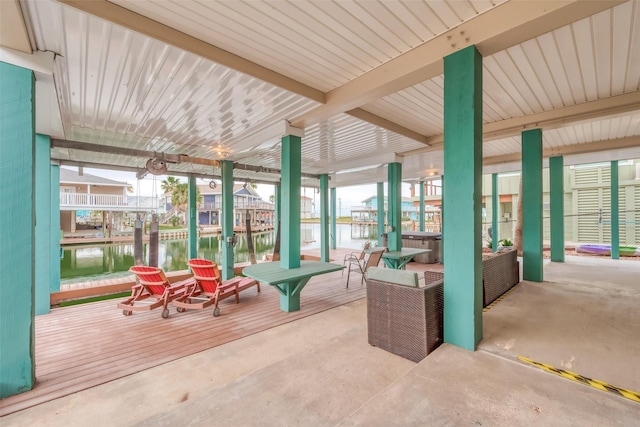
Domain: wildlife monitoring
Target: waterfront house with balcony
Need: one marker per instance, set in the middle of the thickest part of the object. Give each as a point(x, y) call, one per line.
point(85, 193)
point(245, 199)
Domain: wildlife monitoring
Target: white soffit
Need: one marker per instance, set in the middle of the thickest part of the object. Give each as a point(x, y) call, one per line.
point(594, 58)
point(120, 88)
point(323, 44)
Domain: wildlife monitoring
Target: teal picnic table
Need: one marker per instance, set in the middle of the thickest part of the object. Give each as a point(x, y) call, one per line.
point(398, 259)
point(289, 281)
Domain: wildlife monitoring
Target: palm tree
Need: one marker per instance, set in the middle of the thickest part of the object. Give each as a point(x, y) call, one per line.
point(169, 184)
point(180, 197)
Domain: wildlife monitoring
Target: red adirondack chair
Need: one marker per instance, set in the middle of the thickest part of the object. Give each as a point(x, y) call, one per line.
point(209, 288)
point(153, 291)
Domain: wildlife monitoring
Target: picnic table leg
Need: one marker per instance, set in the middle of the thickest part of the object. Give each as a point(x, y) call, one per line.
point(290, 294)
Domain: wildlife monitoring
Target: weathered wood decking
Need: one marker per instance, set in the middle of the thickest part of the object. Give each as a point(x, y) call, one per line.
point(83, 346)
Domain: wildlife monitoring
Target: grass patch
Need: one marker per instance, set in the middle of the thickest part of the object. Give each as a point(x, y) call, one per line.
point(94, 299)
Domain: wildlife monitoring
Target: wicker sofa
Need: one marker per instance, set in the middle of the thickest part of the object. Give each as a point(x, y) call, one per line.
point(403, 318)
point(500, 272)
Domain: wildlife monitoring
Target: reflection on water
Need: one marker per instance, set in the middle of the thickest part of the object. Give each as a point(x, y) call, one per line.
point(108, 261)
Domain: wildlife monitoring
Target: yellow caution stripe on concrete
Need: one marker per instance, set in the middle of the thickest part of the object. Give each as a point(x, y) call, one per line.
point(500, 298)
point(635, 396)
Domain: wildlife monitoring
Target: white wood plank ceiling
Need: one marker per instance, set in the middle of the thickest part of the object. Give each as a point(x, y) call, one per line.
point(364, 79)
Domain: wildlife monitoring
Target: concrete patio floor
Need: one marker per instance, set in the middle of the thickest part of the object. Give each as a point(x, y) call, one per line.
point(320, 370)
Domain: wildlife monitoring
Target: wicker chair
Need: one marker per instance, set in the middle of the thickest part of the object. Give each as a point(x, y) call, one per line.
point(402, 318)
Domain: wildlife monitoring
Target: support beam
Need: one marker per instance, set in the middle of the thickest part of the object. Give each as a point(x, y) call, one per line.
point(463, 198)
point(553, 119)
point(42, 261)
point(532, 205)
point(615, 211)
point(291, 182)
point(193, 218)
point(227, 219)
point(394, 207)
point(556, 205)
point(13, 30)
point(56, 231)
point(495, 198)
point(324, 218)
point(421, 190)
point(380, 206)
point(333, 217)
point(17, 135)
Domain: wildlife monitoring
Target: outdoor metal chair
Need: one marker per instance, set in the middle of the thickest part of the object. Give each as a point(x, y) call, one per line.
point(359, 267)
point(356, 256)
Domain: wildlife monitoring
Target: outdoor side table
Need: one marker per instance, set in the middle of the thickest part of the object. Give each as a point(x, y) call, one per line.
point(398, 259)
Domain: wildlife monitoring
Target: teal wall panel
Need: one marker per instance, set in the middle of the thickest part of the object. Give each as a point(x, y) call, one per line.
point(17, 138)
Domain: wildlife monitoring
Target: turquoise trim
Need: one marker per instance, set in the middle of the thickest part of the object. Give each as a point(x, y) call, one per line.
point(324, 218)
point(381, 218)
point(17, 217)
point(227, 219)
point(556, 205)
point(462, 219)
point(42, 189)
point(615, 211)
point(291, 183)
point(532, 205)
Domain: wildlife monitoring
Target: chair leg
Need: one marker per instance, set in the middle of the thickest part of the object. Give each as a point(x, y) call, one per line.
point(348, 275)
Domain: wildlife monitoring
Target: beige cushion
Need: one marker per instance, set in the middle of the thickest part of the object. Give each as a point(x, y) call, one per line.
point(399, 277)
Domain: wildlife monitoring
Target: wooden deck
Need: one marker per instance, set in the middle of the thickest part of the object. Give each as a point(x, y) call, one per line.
point(83, 346)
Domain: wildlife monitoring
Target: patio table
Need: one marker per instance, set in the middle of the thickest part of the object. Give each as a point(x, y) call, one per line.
point(398, 259)
point(289, 281)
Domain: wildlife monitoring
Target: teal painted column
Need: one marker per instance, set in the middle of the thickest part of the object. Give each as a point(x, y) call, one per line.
point(324, 218)
point(227, 219)
point(193, 217)
point(54, 170)
point(17, 138)
point(421, 190)
point(495, 197)
point(556, 206)
point(291, 182)
point(463, 198)
point(441, 219)
point(532, 205)
point(42, 188)
point(394, 238)
point(615, 212)
point(380, 206)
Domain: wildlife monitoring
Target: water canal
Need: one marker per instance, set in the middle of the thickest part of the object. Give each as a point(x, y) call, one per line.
point(97, 262)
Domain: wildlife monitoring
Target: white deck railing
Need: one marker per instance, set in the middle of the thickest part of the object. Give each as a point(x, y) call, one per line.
point(106, 201)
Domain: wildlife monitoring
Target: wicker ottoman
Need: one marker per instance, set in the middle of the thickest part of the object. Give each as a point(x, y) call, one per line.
point(405, 320)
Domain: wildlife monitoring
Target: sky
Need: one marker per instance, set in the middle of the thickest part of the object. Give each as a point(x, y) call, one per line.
point(347, 196)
